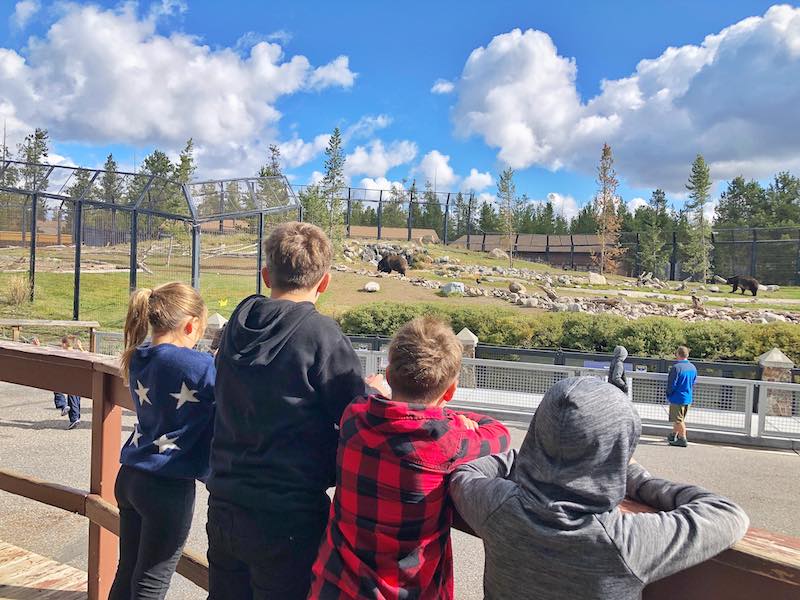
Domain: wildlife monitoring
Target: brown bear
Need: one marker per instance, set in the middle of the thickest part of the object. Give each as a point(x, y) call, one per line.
point(393, 262)
point(744, 283)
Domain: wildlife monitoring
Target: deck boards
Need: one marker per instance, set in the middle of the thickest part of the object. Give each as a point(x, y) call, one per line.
point(25, 575)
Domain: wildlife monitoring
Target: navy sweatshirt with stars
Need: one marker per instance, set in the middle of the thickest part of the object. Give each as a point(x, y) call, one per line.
point(173, 391)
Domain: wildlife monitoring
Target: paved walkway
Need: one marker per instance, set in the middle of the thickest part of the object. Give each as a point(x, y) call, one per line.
point(33, 440)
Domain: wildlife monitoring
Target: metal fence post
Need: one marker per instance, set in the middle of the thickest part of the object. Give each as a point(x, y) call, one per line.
point(753, 253)
point(76, 292)
point(797, 261)
point(222, 206)
point(446, 217)
point(134, 263)
point(572, 252)
point(638, 256)
point(410, 220)
point(674, 256)
point(469, 220)
point(32, 267)
point(380, 212)
point(349, 211)
point(196, 256)
point(260, 251)
point(483, 242)
point(547, 248)
point(748, 411)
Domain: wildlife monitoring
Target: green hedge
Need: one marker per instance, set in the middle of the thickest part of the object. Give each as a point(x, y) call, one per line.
point(650, 336)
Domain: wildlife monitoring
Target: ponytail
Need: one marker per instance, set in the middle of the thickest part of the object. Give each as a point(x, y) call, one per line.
point(164, 308)
point(137, 324)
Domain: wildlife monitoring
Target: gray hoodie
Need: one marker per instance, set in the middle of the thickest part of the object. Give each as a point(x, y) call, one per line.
point(616, 370)
point(549, 517)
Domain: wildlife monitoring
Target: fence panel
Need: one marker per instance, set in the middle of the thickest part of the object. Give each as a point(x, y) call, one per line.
point(779, 410)
point(14, 250)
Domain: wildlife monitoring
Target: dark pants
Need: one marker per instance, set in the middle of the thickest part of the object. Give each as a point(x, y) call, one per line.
point(155, 515)
point(73, 402)
point(246, 561)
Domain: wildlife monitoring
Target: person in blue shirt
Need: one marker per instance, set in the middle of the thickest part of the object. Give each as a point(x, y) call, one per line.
point(680, 383)
point(172, 387)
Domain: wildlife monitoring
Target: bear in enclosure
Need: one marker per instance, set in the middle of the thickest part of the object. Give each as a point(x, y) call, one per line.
point(744, 283)
point(393, 262)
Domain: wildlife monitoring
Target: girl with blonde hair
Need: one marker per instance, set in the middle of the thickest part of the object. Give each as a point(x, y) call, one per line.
point(172, 387)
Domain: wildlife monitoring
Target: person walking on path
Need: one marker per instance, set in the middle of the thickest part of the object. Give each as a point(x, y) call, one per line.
point(680, 384)
point(68, 404)
point(616, 370)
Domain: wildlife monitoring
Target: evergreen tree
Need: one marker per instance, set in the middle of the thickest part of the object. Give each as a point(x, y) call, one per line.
point(272, 192)
point(781, 202)
point(186, 166)
point(653, 254)
point(332, 185)
point(65, 212)
point(393, 212)
point(608, 221)
point(110, 190)
point(585, 222)
point(699, 186)
point(315, 205)
point(433, 215)
point(488, 221)
point(506, 195)
point(739, 203)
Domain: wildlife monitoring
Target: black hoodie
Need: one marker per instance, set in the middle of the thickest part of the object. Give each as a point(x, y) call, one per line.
point(285, 373)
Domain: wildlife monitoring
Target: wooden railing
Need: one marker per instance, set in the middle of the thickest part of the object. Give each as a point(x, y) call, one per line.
point(763, 565)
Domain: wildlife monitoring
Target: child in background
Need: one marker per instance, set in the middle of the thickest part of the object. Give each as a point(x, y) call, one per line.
point(68, 404)
point(550, 519)
point(172, 387)
point(389, 531)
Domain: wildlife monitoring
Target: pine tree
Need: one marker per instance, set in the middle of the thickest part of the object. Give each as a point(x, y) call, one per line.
point(186, 167)
point(109, 190)
point(270, 188)
point(585, 222)
point(506, 195)
point(699, 186)
point(433, 215)
point(332, 184)
point(605, 208)
point(488, 221)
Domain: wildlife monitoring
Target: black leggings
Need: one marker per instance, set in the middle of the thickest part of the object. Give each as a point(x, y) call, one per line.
point(155, 515)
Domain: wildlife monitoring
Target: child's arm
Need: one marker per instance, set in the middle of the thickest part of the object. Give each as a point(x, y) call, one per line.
point(490, 437)
point(480, 487)
point(694, 525)
point(340, 380)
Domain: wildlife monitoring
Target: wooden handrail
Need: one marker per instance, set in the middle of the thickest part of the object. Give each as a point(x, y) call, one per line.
point(763, 564)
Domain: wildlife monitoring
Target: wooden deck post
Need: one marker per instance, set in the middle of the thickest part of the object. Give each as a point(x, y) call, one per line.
point(106, 441)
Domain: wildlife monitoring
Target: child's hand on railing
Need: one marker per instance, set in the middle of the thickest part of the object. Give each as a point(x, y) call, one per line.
point(378, 382)
point(467, 422)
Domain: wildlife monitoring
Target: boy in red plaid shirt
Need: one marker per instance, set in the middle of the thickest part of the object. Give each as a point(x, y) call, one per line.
point(388, 536)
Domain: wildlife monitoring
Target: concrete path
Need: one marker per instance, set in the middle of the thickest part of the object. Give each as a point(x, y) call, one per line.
point(33, 440)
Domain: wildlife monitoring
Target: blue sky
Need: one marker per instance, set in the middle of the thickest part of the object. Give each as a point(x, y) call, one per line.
point(533, 98)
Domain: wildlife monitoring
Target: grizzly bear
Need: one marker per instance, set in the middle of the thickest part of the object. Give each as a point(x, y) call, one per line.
point(393, 262)
point(744, 283)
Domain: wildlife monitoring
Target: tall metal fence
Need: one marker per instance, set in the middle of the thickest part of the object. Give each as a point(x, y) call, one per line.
point(81, 239)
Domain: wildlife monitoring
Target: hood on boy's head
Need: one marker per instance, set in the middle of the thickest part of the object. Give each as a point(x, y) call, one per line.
point(621, 352)
point(574, 459)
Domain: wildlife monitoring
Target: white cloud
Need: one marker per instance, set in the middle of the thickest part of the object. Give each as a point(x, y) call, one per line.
point(733, 98)
point(636, 203)
point(374, 186)
point(435, 167)
point(296, 152)
point(442, 86)
point(24, 12)
point(476, 181)
point(376, 159)
point(109, 76)
point(564, 205)
point(366, 126)
point(316, 177)
point(250, 38)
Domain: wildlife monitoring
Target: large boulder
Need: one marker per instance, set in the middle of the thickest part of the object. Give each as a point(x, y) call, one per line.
point(453, 287)
point(718, 279)
point(498, 253)
point(597, 279)
point(372, 287)
point(516, 287)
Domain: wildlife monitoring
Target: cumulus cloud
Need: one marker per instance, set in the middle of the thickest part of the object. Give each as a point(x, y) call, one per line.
point(442, 86)
point(636, 203)
point(23, 12)
point(296, 152)
point(366, 126)
point(732, 98)
point(107, 75)
point(435, 167)
point(374, 186)
point(564, 205)
point(476, 181)
point(375, 159)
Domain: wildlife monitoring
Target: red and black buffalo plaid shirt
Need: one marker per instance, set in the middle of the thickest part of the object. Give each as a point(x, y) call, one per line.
point(389, 531)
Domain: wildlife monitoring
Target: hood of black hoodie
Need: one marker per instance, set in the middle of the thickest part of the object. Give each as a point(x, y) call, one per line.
point(260, 327)
point(574, 460)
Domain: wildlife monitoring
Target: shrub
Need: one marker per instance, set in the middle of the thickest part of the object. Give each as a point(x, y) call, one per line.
point(18, 291)
point(649, 336)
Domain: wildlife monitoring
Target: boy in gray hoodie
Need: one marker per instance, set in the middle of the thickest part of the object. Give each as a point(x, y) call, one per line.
point(616, 370)
point(549, 517)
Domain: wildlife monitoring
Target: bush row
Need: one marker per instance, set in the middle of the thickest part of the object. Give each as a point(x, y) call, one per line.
point(650, 336)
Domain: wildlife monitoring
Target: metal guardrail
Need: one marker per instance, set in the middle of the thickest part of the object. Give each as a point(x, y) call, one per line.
point(721, 405)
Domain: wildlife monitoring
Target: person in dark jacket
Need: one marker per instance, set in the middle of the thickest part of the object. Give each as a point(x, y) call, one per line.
point(285, 374)
point(616, 370)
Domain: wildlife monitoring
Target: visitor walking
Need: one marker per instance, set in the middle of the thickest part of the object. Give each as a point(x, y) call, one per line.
point(616, 370)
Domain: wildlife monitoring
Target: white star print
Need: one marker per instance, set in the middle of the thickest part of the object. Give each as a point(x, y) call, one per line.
point(184, 396)
point(165, 443)
point(141, 391)
point(136, 435)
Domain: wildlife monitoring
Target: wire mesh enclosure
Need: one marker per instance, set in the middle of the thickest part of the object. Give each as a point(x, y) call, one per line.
point(80, 239)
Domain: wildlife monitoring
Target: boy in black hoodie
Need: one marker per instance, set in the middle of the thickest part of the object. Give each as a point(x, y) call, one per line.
point(285, 373)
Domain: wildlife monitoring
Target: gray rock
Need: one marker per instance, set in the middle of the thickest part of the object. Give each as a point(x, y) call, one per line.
point(772, 288)
point(453, 287)
point(372, 287)
point(498, 253)
point(597, 279)
point(713, 288)
point(574, 307)
point(516, 287)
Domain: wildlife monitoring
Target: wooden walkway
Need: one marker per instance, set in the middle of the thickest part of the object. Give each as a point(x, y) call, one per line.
point(25, 575)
